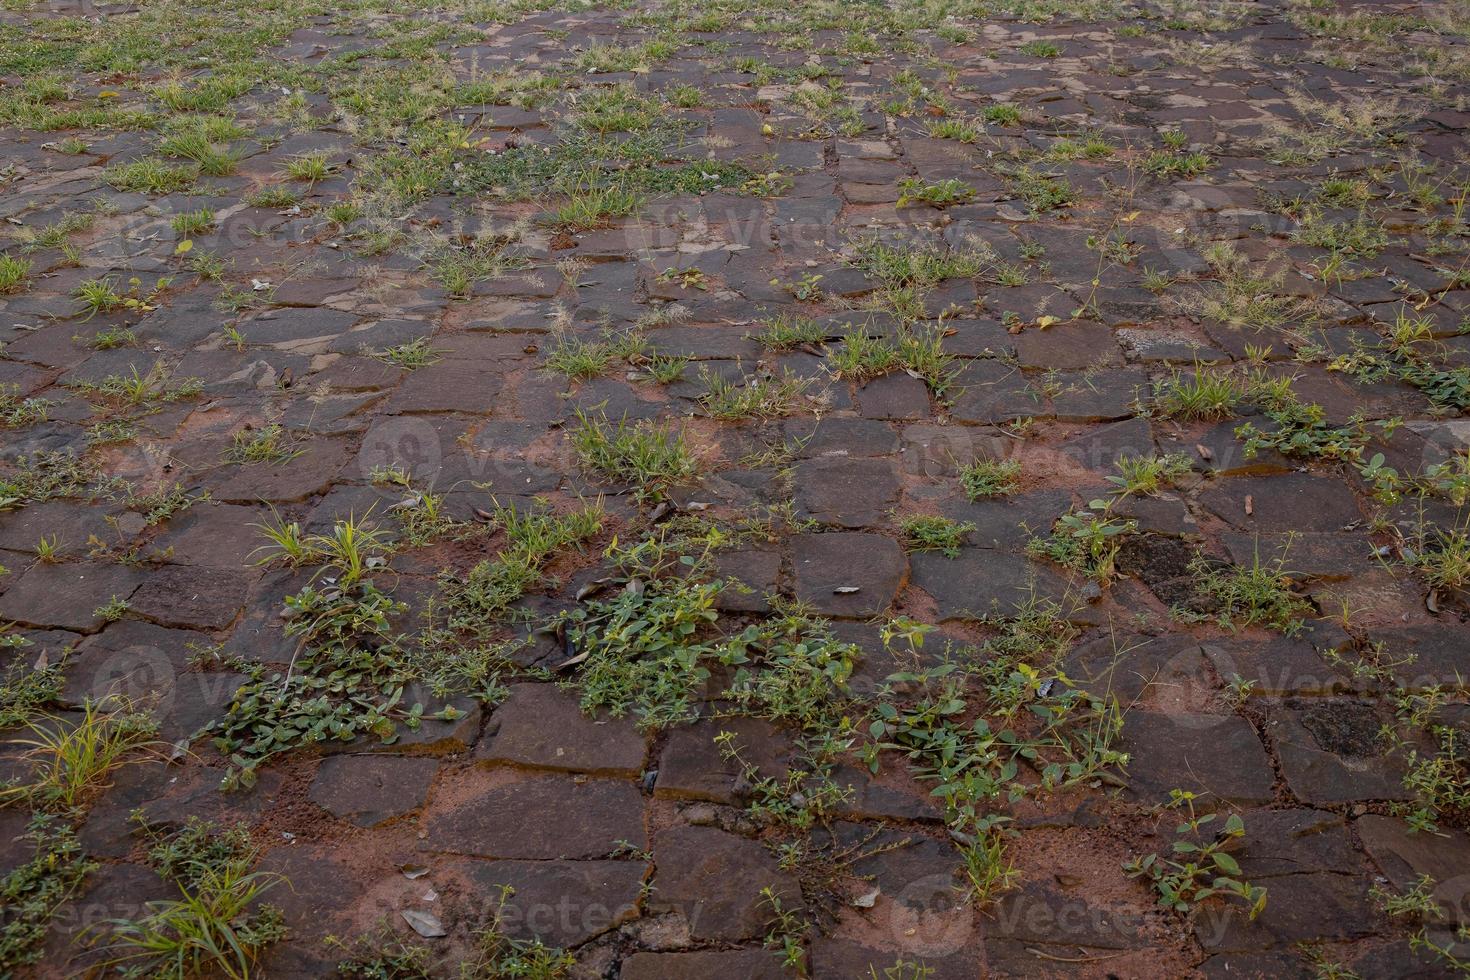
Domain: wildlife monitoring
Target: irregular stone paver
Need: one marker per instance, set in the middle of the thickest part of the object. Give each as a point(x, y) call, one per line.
point(563, 903)
point(1319, 905)
point(702, 965)
point(596, 816)
point(714, 880)
point(850, 493)
point(1216, 754)
point(70, 596)
point(980, 582)
point(692, 765)
point(541, 727)
point(847, 574)
point(1331, 752)
point(368, 790)
point(1404, 856)
point(199, 598)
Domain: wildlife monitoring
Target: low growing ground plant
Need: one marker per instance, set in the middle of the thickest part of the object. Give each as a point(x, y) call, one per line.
point(1201, 865)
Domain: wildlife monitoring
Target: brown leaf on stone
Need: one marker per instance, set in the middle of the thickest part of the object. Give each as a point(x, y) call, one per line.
point(426, 924)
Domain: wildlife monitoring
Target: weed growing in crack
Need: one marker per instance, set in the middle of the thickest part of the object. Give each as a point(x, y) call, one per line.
point(532, 538)
point(267, 444)
point(1235, 596)
point(1085, 540)
point(788, 331)
point(931, 532)
point(649, 457)
point(218, 923)
point(35, 889)
point(71, 761)
point(1205, 394)
point(1204, 866)
point(762, 396)
point(987, 478)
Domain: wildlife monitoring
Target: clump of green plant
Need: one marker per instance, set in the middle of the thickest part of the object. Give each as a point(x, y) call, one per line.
point(1244, 294)
point(1041, 49)
point(186, 224)
point(71, 761)
point(913, 190)
point(762, 396)
point(591, 204)
point(921, 353)
point(15, 274)
point(151, 176)
point(96, 296)
point(34, 891)
point(788, 331)
point(287, 542)
point(1438, 778)
point(459, 266)
point(347, 680)
point(1172, 165)
point(579, 360)
point(1301, 429)
point(1145, 476)
point(862, 357)
point(353, 549)
point(1205, 394)
point(1408, 352)
point(147, 391)
point(786, 934)
point(44, 476)
point(218, 923)
point(532, 538)
point(26, 689)
point(1085, 540)
point(985, 478)
point(1002, 114)
point(55, 235)
point(927, 715)
point(197, 140)
point(931, 532)
point(1416, 902)
point(162, 503)
point(1236, 596)
point(272, 196)
point(1360, 238)
point(650, 457)
point(792, 670)
point(646, 649)
point(1042, 192)
point(1442, 557)
point(111, 338)
point(412, 355)
point(310, 167)
point(960, 130)
point(1203, 867)
point(16, 411)
point(266, 444)
point(381, 955)
point(919, 264)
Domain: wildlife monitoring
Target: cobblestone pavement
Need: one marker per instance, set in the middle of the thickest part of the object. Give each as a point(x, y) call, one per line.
point(734, 488)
